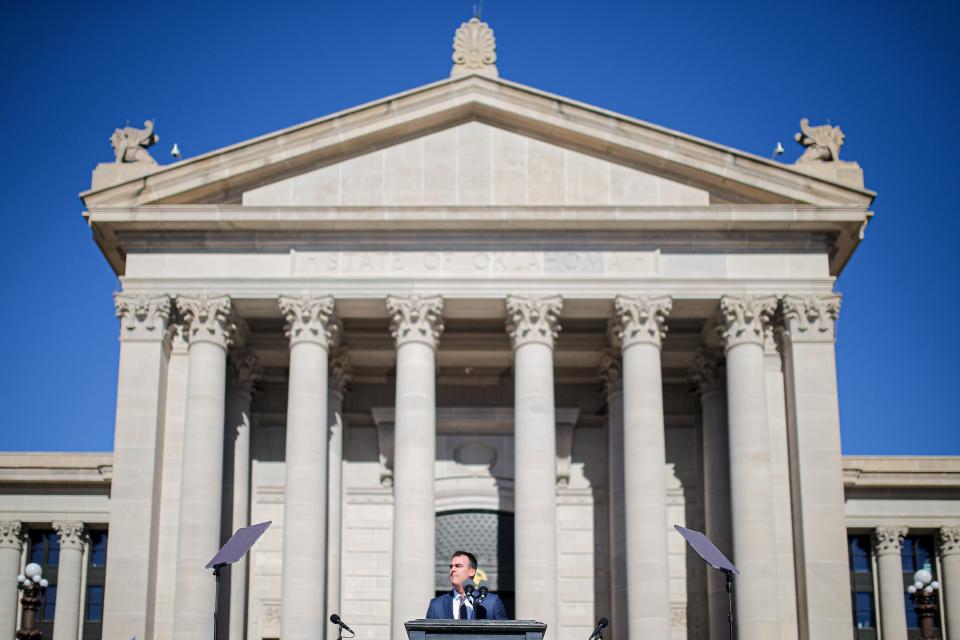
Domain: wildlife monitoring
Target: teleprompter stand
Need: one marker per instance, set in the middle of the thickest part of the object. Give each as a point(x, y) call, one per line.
point(234, 549)
point(713, 557)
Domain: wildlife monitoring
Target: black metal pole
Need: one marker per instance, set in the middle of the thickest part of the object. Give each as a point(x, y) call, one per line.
point(729, 586)
point(216, 602)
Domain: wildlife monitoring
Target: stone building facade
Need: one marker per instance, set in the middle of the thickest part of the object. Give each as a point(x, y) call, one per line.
point(478, 315)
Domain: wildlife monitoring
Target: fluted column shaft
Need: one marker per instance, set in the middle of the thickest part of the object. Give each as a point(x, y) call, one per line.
point(707, 375)
point(11, 546)
point(613, 387)
point(893, 616)
point(340, 363)
point(73, 537)
point(210, 328)
point(417, 324)
point(742, 322)
point(813, 415)
point(949, 538)
point(311, 329)
point(533, 326)
point(641, 331)
point(141, 388)
point(245, 374)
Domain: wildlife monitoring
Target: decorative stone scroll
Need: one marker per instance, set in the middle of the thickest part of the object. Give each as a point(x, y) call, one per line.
point(949, 539)
point(11, 535)
point(208, 319)
point(72, 535)
point(416, 319)
point(130, 144)
point(707, 370)
point(821, 144)
point(310, 319)
point(474, 50)
point(888, 539)
point(642, 319)
point(611, 373)
point(532, 319)
point(743, 320)
point(812, 318)
point(142, 317)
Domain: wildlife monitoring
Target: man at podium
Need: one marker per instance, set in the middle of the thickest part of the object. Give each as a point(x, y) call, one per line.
point(457, 605)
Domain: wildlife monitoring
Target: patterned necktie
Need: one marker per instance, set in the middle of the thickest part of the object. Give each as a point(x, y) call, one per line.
point(463, 608)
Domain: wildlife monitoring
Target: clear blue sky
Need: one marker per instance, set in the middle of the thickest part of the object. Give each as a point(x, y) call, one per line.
point(741, 74)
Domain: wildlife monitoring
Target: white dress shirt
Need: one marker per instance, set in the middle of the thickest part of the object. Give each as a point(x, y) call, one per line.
point(457, 599)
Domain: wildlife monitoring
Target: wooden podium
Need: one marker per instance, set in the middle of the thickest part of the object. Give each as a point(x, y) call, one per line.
point(475, 630)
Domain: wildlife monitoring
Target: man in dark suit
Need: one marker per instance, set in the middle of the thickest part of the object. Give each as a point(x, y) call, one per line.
point(456, 605)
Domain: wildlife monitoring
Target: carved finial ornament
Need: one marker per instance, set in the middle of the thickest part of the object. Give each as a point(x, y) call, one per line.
point(474, 50)
point(72, 535)
point(821, 144)
point(611, 373)
point(416, 319)
point(642, 319)
point(130, 144)
point(11, 535)
point(888, 539)
point(812, 318)
point(142, 317)
point(533, 320)
point(707, 370)
point(310, 319)
point(742, 320)
point(208, 319)
point(340, 369)
point(949, 538)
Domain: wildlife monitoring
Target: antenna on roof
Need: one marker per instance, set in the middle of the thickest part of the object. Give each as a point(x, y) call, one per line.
point(477, 9)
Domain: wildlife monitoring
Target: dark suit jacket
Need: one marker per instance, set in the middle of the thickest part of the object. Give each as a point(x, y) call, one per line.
point(441, 608)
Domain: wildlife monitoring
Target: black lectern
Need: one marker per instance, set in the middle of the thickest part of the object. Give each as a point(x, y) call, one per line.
point(475, 630)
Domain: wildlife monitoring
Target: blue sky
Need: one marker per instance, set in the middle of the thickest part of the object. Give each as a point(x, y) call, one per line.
point(741, 74)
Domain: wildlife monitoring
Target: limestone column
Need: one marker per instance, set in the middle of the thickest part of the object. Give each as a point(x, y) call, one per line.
point(210, 328)
point(138, 437)
point(245, 373)
point(339, 377)
point(416, 326)
point(708, 377)
point(11, 546)
point(533, 327)
point(813, 417)
point(613, 388)
point(893, 616)
point(949, 539)
point(742, 322)
point(311, 329)
point(642, 326)
point(66, 621)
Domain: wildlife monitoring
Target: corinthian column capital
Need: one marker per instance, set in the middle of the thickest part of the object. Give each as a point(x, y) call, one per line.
point(743, 320)
point(11, 535)
point(416, 319)
point(707, 370)
point(142, 317)
point(310, 319)
point(611, 373)
point(341, 370)
point(888, 539)
point(949, 539)
point(811, 318)
point(532, 319)
point(72, 535)
point(245, 372)
point(208, 319)
point(642, 319)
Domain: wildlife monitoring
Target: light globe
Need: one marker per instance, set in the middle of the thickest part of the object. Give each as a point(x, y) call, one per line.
point(32, 570)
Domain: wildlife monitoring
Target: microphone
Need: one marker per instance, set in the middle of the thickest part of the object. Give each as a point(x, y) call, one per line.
point(335, 619)
point(469, 587)
point(598, 631)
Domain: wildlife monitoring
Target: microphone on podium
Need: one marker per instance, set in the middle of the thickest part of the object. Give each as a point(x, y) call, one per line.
point(598, 631)
point(335, 619)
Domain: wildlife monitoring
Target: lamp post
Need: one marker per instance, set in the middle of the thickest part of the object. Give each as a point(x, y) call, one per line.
point(32, 586)
point(924, 601)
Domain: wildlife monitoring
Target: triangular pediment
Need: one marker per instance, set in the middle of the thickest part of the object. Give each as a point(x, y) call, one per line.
point(476, 141)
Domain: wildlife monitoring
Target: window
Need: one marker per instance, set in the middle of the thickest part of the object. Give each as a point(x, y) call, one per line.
point(98, 548)
point(861, 587)
point(45, 548)
point(94, 604)
point(49, 604)
point(96, 577)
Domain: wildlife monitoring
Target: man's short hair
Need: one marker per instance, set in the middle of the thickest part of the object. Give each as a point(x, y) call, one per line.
point(472, 558)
